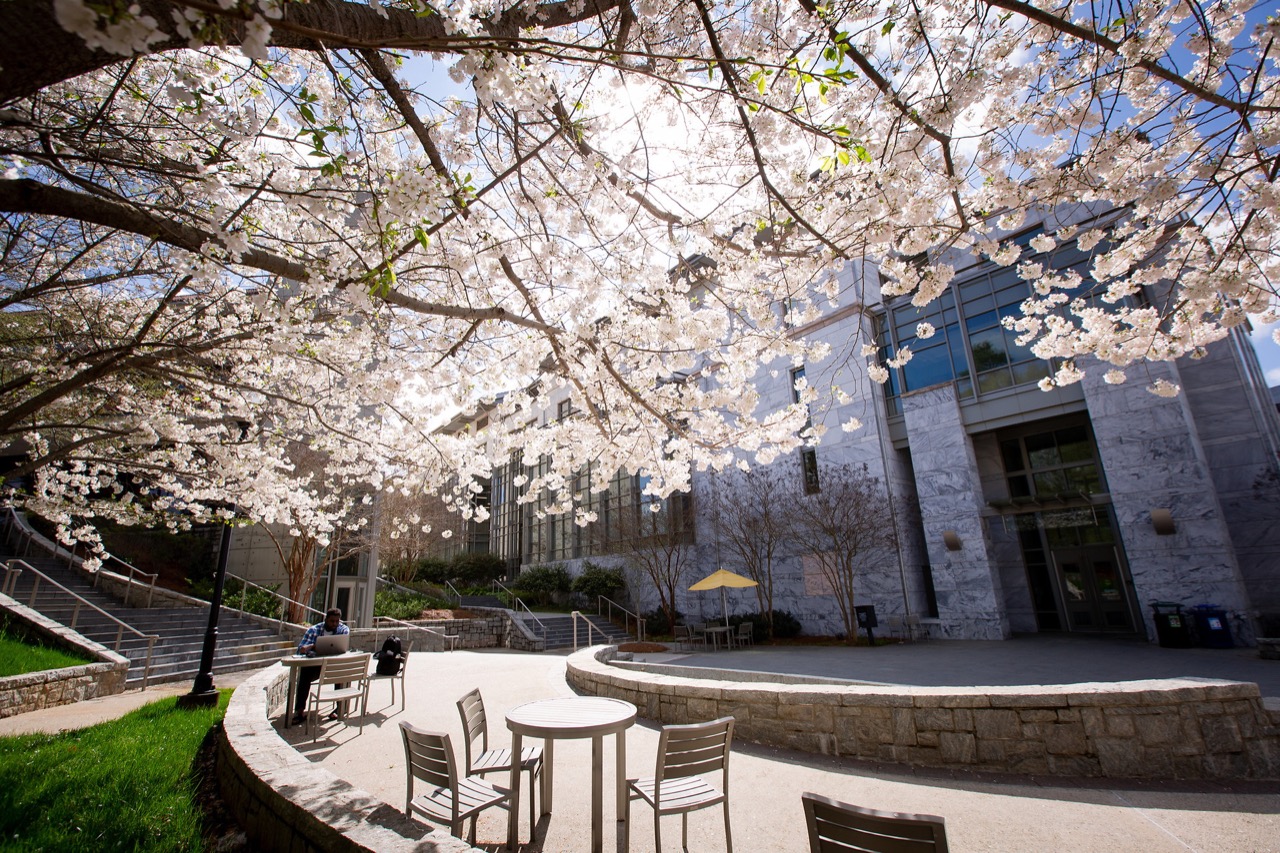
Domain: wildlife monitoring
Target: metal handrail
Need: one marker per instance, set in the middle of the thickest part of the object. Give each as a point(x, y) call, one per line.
point(445, 639)
point(577, 614)
point(520, 605)
point(10, 582)
point(454, 590)
point(16, 522)
point(280, 621)
point(628, 616)
point(132, 570)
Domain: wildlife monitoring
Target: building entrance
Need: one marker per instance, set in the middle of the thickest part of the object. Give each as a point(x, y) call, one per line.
point(1091, 583)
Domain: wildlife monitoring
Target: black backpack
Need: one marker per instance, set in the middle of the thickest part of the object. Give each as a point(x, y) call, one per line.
point(389, 658)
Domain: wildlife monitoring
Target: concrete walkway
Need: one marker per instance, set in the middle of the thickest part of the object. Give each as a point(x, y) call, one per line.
point(983, 812)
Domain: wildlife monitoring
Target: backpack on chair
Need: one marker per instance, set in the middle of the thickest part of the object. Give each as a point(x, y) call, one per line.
point(389, 658)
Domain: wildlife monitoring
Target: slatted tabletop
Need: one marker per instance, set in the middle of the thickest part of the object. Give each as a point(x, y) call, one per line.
point(571, 717)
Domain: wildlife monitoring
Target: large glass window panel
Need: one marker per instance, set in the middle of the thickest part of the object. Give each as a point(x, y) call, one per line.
point(994, 380)
point(955, 342)
point(1011, 455)
point(964, 388)
point(988, 349)
point(1030, 371)
point(928, 367)
point(1074, 444)
point(1049, 483)
point(1042, 450)
point(975, 308)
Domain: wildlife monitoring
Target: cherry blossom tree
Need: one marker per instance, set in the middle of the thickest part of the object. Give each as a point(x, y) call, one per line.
point(232, 225)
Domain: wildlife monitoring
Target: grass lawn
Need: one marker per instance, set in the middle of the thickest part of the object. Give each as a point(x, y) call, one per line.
point(128, 784)
point(18, 657)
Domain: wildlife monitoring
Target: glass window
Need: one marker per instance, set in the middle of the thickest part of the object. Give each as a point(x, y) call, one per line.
point(988, 350)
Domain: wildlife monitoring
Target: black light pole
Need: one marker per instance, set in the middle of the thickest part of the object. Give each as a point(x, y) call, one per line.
point(203, 693)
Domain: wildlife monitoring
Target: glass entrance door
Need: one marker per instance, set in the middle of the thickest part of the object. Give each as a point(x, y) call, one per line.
point(1092, 586)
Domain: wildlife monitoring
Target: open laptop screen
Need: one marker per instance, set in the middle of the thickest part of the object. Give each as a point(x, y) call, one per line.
point(333, 644)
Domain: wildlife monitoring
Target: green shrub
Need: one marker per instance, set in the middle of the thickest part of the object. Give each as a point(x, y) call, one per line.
point(784, 625)
point(256, 601)
point(541, 583)
point(398, 604)
point(477, 569)
point(433, 570)
point(657, 624)
point(596, 580)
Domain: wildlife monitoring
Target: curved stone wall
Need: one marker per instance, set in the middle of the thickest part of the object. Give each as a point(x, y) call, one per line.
point(1183, 728)
point(286, 802)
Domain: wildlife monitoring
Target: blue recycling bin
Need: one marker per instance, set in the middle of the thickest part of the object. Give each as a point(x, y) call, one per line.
point(1212, 629)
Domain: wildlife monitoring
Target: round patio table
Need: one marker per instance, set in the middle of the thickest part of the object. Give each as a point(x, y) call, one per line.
point(571, 717)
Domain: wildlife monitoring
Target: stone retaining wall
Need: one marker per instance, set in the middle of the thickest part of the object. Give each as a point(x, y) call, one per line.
point(284, 801)
point(32, 691)
point(1182, 728)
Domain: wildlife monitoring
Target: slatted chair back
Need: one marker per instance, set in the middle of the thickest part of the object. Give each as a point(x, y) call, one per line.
point(694, 750)
point(475, 726)
point(429, 758)
point(344, 670)
point(836, 827)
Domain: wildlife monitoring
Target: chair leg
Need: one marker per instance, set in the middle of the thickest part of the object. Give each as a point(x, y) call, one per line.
point(471, 836)
point(728, 833)
point(533, 821)
point(657, 832)
point(684, 832)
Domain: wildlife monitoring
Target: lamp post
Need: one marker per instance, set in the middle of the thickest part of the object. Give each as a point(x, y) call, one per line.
point(203, 693)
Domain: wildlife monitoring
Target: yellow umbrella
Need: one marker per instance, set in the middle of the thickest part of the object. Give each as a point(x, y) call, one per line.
point(721, 579)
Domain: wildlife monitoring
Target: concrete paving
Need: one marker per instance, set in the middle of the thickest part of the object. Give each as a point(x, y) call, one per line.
point(983, 812)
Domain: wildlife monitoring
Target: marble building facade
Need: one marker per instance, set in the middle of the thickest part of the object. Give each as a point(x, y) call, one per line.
point(1018, 509)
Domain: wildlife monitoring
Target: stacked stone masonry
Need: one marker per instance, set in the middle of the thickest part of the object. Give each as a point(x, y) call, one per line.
point(287, 802)
point(47, 689)
point(1182, 728)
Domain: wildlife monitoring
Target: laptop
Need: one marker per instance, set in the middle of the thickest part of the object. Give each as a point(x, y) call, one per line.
point(332, 644)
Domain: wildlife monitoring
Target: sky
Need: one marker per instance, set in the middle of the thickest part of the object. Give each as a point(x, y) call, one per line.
point(1268, 352)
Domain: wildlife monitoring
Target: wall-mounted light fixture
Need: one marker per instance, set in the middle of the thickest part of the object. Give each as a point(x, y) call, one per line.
point(1162, 521)
point(951, 539)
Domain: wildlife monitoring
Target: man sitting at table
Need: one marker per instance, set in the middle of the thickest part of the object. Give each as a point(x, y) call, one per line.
point(307, 675)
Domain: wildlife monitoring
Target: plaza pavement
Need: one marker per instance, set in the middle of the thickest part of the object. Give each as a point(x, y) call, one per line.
point(984, 812)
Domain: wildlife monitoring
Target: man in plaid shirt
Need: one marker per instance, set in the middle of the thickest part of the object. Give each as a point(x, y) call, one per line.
point(307, 675)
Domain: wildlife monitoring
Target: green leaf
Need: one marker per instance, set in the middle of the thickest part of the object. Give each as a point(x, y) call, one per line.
point(424, 239)
point(888, 27)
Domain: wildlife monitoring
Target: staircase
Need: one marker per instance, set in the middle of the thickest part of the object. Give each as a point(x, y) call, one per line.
point(242, 643)
point(560, 631)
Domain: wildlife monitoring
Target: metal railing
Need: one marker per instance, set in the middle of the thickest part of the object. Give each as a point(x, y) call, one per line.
point(518, 605)
point(283, 601)
point(450, 640)
point(627, 615)
point(453, 589)
point(132, 572)
point(15, 567)
point(16, 524)
point(577, 614)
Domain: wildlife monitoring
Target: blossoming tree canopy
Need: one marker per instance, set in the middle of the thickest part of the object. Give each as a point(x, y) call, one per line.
point(253, 255)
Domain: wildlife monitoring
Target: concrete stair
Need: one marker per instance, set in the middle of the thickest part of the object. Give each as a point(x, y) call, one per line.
point(560, 630)
point(242, 643)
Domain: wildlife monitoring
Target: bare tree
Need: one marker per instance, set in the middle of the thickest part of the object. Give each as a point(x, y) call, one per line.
point(749, 515)
point(415, 527)
point(846, 527)
point(656, 547)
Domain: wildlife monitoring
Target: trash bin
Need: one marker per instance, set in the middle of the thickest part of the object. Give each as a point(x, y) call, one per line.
point(1212, 628)
point(1173, 629)
point(866, 616)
